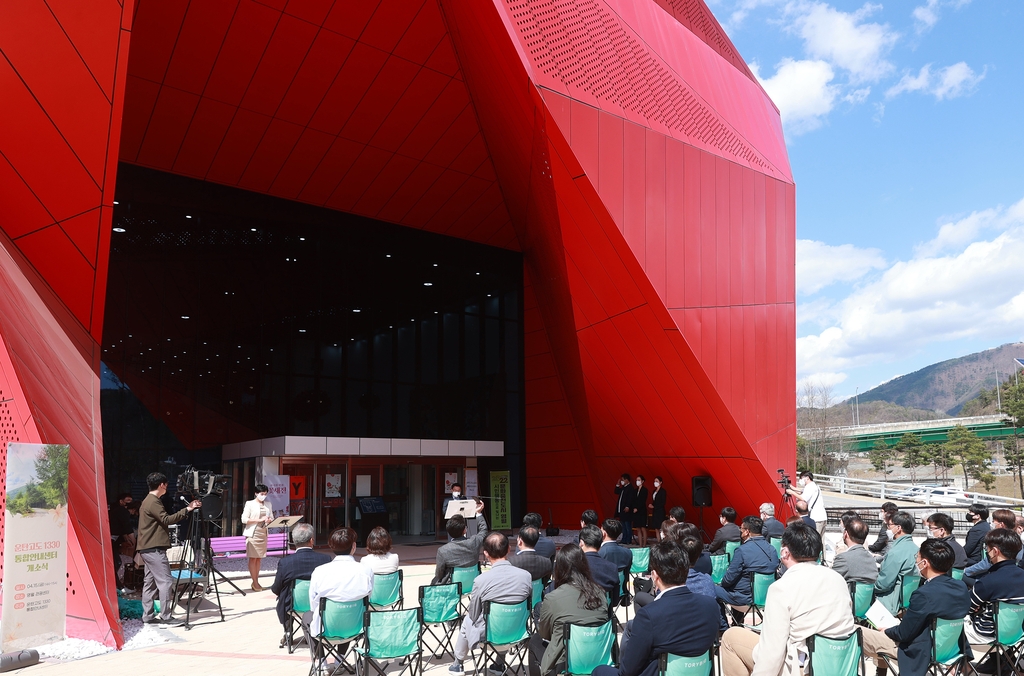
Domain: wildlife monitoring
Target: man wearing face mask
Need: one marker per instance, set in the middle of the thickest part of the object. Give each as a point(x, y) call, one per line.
point(256, 514)
point(625, 504)
point(899, 562)
point(456, 495)
point(811, 494)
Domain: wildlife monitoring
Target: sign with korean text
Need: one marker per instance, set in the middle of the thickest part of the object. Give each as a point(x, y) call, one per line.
point(471, 489)
point(35, 546)
point(501, 516)
point(278, 493)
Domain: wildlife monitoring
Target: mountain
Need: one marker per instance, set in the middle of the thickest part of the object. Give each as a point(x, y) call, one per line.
point(946, 386)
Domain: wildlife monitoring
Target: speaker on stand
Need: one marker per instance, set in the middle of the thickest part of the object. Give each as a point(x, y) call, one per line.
point(700, 487)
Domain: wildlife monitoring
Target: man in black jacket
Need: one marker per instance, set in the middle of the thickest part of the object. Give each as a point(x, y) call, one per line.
point(772, 528)
point(939, 596)
point(625, 498)
point(974, 545)
point(545, 545)
point(729, 532)
point(881, 544)
point(604, 572)
point(297, 566)
point(1004, 582)
point(528, 558)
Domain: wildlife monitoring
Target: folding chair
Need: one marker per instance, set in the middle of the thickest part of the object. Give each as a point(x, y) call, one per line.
point(835, 656)
point(466, 577)
point(505, 633)
point(908, 585)
point(730, 548)
point(759, 583)
point(536, 596)
point(1009, 620)
point(387, 591)
point(392, 635)
point(440, 604)
point(623, 594)
point(947, 658)
point(719, 564)
point(957, 573)
point(641, 565)
point(862, 594)
point(777, 543)
point(341, 623)
point(678, 665)
point(588, 647)
point(300, 606)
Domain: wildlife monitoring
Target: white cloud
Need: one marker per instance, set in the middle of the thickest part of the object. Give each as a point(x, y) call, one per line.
point(974, 290)
point(802, 91)
point(858, 95)
point(948, 83)
point(926, 16)
point(827, 378)
point(845, 39)
point(819, 264)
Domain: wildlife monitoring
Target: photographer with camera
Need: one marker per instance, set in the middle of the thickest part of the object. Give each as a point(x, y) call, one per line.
point(154, 541)
point(811, 494)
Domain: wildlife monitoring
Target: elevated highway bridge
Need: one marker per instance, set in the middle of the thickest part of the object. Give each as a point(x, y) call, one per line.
point(863, 437)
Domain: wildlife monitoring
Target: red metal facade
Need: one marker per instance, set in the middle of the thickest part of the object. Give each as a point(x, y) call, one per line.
point(622, 146)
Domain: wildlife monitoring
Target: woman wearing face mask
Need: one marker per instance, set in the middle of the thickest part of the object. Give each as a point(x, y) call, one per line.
point(256, 515)
point(640, 511)
point(657, 506)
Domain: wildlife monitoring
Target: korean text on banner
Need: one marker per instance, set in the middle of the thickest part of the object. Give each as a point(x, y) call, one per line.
point(277, 493)
point(471, 488)
point(35, 545)
point(501, 516)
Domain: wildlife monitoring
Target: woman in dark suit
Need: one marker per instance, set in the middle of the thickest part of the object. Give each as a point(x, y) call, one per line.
point(657, 506)
point(640, 510)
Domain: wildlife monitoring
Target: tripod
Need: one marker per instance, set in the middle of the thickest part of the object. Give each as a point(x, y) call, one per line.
point(201, 570)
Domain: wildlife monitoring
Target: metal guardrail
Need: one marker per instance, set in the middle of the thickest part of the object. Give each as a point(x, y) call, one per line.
point(892, 491)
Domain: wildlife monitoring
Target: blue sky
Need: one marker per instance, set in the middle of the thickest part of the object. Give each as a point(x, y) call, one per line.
point(905, 127)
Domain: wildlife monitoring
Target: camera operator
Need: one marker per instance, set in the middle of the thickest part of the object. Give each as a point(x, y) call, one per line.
point(154, 541)
point(811, 494)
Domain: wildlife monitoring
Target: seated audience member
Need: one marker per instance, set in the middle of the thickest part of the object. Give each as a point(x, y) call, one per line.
point(939, 596)
point(461, 551)
point(503, 583)
point(845, 519)
point(809, 599)
point(1001, 518)
point(604, 572)
point(772, 527)
point(794, 519)
point(1004, 582)
point(676, 623)
point(379, 558)
point(696, 581)
point(856, 564)
point(900, 561)
point(621, 556)
point(677, 514)
point(804, 512)
point(729, 532)
point(589, 518)
point(974, 543)
point(527, 558)
point(297, 566)
point(664, 529)
point(545, 545)
point(683, 530)
point(342, 579)
point(755, 555)
point(575, 598)
point(941, 528)
point(880, 547)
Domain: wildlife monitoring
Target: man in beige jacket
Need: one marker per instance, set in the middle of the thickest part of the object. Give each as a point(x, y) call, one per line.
point(809, 599)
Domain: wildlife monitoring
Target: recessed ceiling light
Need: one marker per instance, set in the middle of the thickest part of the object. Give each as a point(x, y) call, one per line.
point(387, 255)
point(115, 202)
point(356, 310)
point(184, 316)
point(187, 216)
point(252, 229)
point(435, 265)
point(302, 239)
point(118, 229)
point(428, 284)
point(302, 330)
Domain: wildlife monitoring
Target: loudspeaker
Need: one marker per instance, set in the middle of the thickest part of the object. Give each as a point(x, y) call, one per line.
point(701, 486)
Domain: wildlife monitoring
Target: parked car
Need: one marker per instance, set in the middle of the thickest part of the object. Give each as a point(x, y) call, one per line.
point(942, 496)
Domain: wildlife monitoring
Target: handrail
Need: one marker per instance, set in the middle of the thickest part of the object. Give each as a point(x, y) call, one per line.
point(889, 490)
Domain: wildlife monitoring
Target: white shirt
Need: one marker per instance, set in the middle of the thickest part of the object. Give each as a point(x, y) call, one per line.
point(812, 496)
point(340, 580)
point(255, 510)
point(381, 564)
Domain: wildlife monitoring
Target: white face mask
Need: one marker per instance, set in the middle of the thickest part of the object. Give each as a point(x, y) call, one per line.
point(639, 483)
point(657, 484)
point(261, 496)
point(801, 483)
point(455, 494)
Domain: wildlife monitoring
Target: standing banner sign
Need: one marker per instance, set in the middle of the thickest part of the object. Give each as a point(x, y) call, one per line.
point(35, 546)
point(501, 516)
point(471, 488)
point(278, 493)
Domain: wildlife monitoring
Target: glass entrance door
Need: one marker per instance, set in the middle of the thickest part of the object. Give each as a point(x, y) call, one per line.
point(330, 494)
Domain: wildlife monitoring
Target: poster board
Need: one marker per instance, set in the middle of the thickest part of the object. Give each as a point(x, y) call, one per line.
point(278, 493)
point(472, 487)
point(450, 478)
point(501, 516)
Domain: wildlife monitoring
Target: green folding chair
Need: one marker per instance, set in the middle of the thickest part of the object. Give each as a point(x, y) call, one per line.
point(641, 566)
point(536, 596)
point(505, 633)
point(947, 658)
point(387, 591)
point(465, 576)
point(908, 585)
point(440, 604)
point(957, 573)
point(730, 548)
point(777, 543)
point(588, 647)
point(300, 606)
point(862, 594)
point(1009, 621)
point(759, 583)
point(392, 635)
point(835, 656)
point(341, 623)
point(679, 665)
point(623, 595)
point(719, 564)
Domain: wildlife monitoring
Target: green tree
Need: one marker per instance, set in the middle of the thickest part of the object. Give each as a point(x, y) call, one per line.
point(1013, 409)
point(914, 454)
point(937, 455)
point(52, 474)
point(882, 458)
point(971, 454)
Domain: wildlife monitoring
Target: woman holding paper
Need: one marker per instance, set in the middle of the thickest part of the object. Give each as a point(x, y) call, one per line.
point(255, 516)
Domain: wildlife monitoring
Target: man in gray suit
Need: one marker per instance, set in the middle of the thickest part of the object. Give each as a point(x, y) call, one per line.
point(461, 551)
point(856, 564)
point(503, 583)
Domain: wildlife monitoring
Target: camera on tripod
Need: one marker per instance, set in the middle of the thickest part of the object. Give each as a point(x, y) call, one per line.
point(784, 480)
point(207, 487)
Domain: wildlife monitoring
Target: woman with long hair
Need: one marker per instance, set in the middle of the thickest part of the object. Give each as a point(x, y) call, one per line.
point(379, 558)
point(576, 598)
point(256, 514)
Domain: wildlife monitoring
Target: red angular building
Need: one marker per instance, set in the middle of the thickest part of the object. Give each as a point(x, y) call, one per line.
point(617, 155)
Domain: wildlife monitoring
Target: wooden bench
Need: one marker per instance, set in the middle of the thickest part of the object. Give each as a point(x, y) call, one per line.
point(233, 547)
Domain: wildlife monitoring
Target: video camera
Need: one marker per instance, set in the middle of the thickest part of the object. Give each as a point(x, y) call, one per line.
point(784, 479)
point(206, 487)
